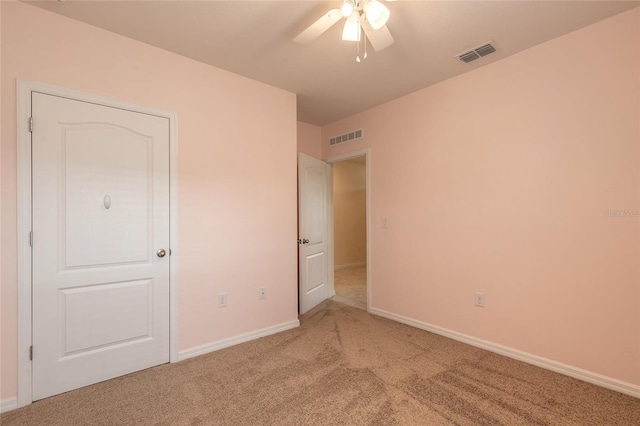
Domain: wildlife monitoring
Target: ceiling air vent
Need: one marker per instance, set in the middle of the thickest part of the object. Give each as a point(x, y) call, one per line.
point(468, 57)
point(485, 50)
point(347, 137)
point(477, 53)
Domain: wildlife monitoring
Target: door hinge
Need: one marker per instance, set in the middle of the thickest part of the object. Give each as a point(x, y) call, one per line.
point(31, 124)
point(31, 353)
point(31, 238)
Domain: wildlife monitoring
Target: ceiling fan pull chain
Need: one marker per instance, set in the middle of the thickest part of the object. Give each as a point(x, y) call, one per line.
point(358, 51)
point(365, 46)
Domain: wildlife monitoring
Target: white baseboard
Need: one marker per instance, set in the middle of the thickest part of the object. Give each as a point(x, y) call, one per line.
point(235, 340)
point(349, 265)
point(8, 404)
point(567, 370)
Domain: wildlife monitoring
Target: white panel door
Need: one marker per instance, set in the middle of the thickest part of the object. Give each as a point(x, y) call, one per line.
point(100, 216)
point(313, 183)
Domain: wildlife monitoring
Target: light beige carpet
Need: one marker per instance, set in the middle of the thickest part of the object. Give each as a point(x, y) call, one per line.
point(341, 367)
point(350, 285)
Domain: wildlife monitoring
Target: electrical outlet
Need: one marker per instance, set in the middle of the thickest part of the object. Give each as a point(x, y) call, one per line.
point(262, 294)
point(480, 299)
point(385, 222)
point(222, 300)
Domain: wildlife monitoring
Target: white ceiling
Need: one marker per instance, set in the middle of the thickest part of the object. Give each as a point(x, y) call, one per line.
point(254, 39)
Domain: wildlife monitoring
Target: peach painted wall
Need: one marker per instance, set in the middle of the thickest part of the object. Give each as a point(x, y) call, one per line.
point(237, 189)
point(309, 139)
point(498, 180)
point(2, 332)
point(349, 213)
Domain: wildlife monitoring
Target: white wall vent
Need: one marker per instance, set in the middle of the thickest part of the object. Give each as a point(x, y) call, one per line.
point(347, 137)
point(477, 52)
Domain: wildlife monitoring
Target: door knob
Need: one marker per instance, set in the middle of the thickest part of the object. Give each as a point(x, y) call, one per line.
point(161, 253)
point(305, 241)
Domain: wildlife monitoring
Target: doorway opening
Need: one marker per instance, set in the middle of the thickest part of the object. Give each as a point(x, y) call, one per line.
point(317, 235)
point(350, 230)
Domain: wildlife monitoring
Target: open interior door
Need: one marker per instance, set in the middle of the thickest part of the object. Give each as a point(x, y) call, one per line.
point(313, 231)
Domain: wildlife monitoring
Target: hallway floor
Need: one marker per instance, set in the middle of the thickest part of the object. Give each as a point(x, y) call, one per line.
point(351, 286)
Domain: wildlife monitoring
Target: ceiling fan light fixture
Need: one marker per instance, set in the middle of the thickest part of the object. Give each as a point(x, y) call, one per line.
point(351, 30)
point(347, 8)
point(377, 14)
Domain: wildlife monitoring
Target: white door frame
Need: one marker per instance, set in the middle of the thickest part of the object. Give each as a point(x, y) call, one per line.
point(348, 156)
point(23, 113)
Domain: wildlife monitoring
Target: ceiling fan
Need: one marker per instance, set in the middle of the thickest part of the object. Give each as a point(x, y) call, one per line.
point(368, 15)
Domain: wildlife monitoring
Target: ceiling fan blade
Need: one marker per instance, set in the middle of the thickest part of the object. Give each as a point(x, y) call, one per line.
point(316, 29)
point(379, 39)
